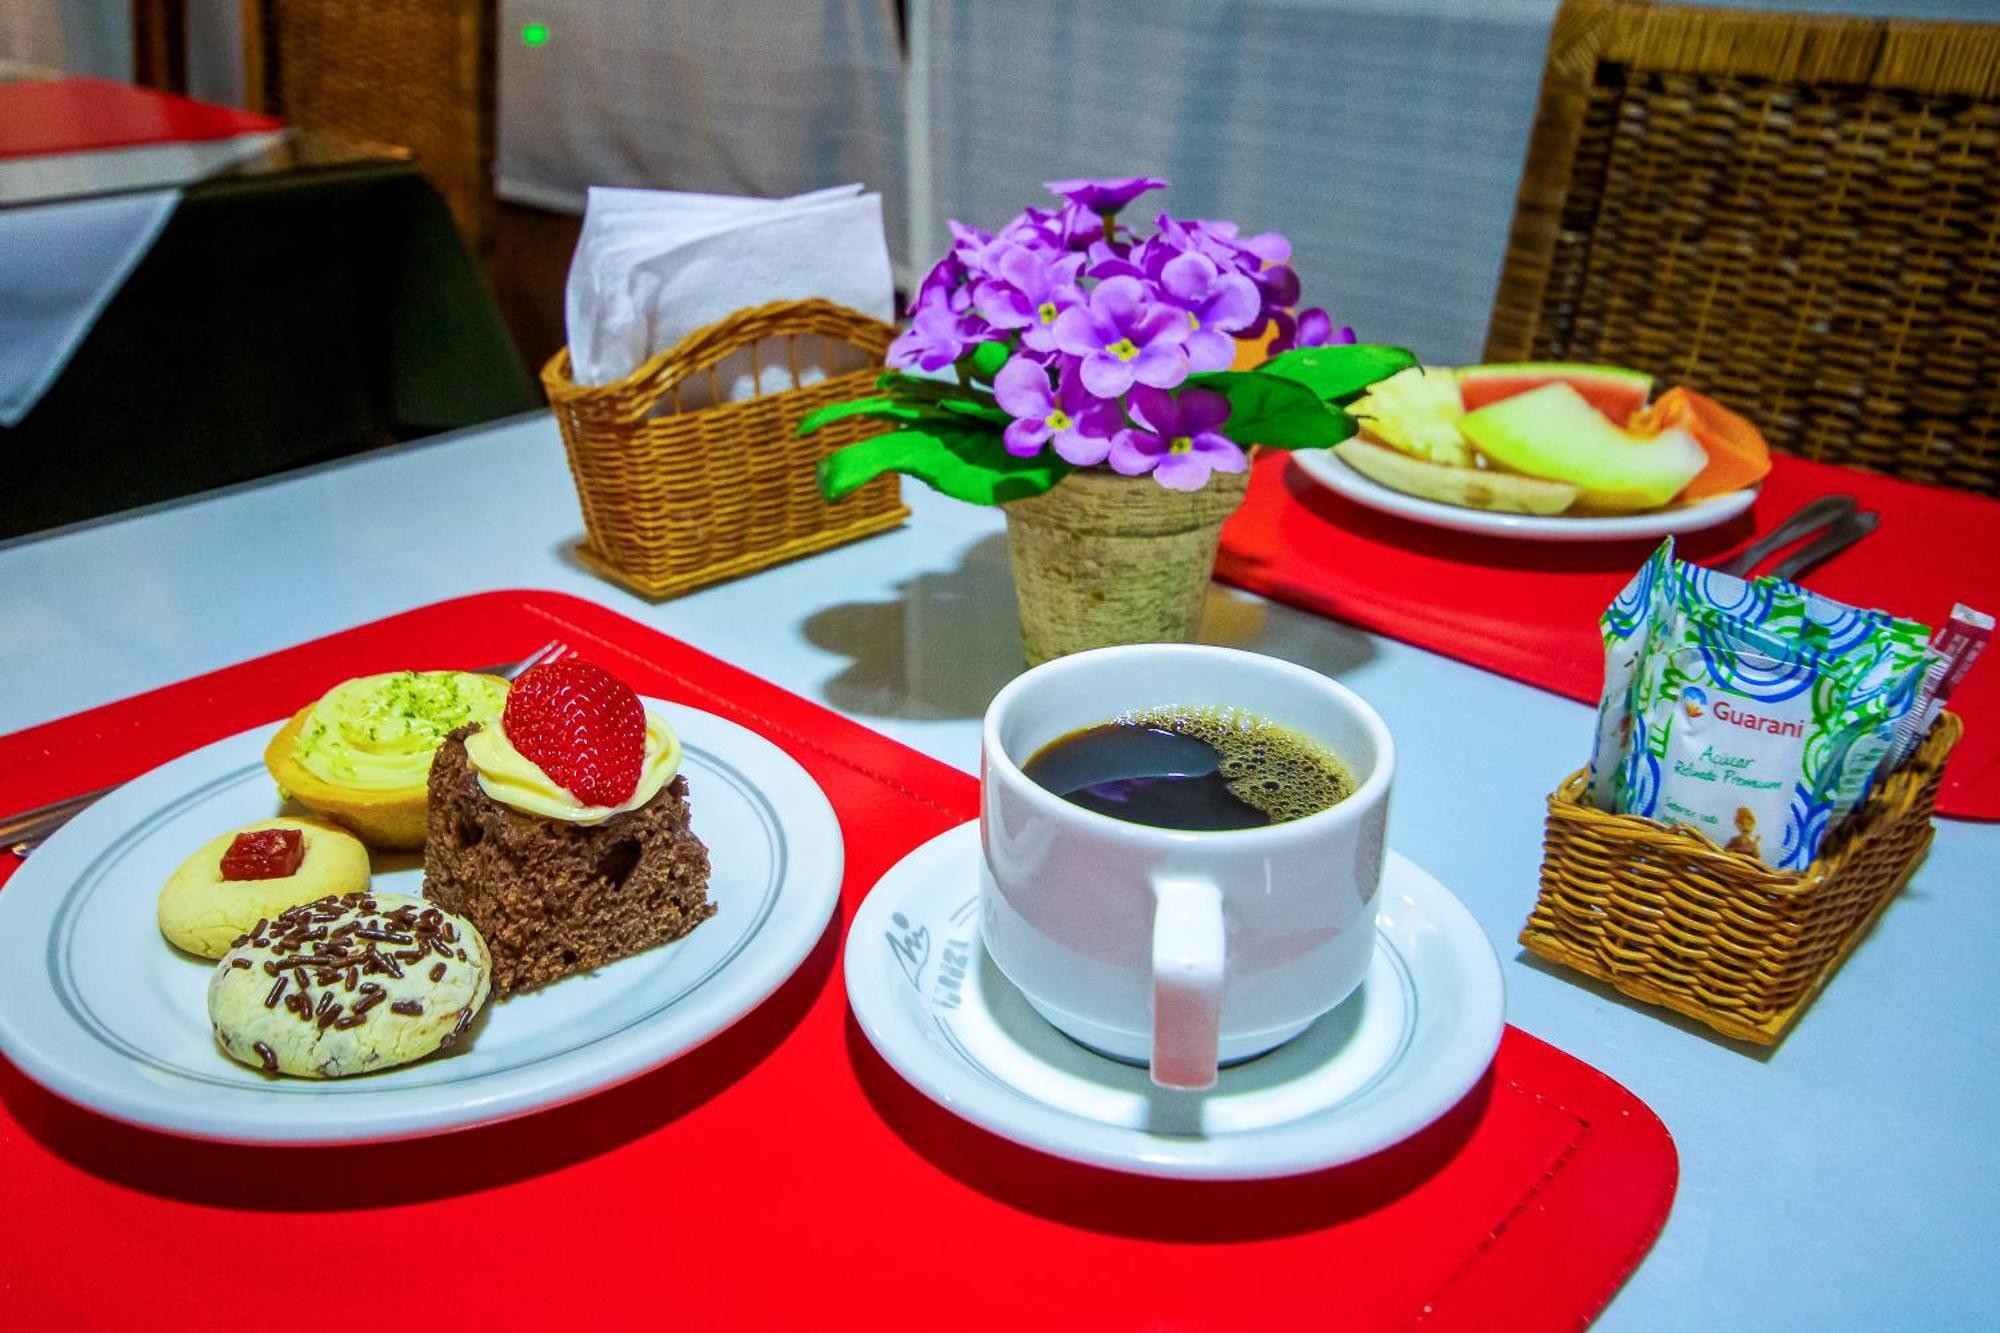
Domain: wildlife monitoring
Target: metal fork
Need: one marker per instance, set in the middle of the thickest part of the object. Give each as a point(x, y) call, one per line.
point(24, 832)
point(1810, 517)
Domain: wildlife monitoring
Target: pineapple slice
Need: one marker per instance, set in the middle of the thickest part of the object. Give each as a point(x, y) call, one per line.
point(1416, 412)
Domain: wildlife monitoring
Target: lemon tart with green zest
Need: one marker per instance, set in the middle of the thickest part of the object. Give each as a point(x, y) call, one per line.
point(361, 754)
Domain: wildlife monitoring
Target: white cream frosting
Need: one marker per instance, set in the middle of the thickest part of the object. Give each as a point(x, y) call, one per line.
point(514, 780)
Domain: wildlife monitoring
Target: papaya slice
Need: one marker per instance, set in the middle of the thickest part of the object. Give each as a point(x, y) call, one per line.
point(1737, 453)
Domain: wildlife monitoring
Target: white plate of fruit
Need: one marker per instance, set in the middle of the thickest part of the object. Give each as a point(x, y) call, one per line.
point(1554, 452)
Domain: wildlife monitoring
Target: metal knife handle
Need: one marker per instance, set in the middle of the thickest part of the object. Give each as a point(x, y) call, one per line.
point(1836, 539)
point(1817, 513)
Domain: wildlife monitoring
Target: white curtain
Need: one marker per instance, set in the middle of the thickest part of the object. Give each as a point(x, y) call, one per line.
point(1385, 137)
point(74, 36)
point(754, 97)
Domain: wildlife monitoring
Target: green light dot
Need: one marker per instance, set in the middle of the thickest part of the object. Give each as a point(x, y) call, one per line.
point(535, 34)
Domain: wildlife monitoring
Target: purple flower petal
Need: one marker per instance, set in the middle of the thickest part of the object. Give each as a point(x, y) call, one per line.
point(1162, 365)
point(1161, 324)
point(1280, 285)
point(1232, 303)
point(1201, 411)
point(1098, 417)
point(1287, 331)
point(1024, 439)
point(1022, 269)
point(1074, 446)
point(1120, 300)
point(1108, 195)
point(1223, 455)
point(1270, 246)
point(1002, 306)
point(1183, 472)
point(903, 352)
point(1210, 349)
point(1154, 409)
point(1040, 338)
point(1081, 331)
point(1134, 453)
point(1022, 389)
point(1106, 375)
point(1187, 277)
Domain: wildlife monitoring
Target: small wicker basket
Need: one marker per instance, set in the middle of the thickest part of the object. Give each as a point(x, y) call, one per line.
point(675, 500)
point(1668, 917)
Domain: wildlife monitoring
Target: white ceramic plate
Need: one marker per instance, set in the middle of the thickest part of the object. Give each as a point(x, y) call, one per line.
point(96, 1006)
point(1397, 1055)
point(1326, 468)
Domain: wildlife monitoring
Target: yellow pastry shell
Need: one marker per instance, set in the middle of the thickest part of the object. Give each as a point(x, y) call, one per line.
point(391, 820)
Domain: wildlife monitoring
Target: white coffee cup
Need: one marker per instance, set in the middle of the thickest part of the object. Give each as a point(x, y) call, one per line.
point(1179, 949)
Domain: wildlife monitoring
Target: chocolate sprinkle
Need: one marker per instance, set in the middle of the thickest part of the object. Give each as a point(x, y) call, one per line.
point(268, 1056)
point(316, 947)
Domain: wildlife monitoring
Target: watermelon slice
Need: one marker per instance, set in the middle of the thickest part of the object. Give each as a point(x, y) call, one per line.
point(1612, 390)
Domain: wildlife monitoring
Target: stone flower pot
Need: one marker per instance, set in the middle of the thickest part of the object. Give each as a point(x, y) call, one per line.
point(1103, 559)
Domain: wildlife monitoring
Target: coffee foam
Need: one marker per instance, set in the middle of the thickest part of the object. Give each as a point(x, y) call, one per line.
point(1265, 765)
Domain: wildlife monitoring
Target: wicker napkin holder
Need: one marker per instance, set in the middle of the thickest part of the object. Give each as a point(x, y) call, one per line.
point(675, 500)
point(1668, 917)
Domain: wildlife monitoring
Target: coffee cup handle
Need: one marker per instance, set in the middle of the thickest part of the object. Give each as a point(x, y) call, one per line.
point(1188, 953)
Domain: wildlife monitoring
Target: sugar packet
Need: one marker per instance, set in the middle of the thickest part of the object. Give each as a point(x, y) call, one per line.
point(1958, 644)
point(1752, 709)
point(1624, 624)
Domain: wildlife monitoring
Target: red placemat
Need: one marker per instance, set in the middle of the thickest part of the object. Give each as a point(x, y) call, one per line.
point(1529, 609)
point(782, 1175)
point(40, 116)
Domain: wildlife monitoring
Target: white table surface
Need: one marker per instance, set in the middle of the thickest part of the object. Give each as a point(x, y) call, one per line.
point(1846, 1180)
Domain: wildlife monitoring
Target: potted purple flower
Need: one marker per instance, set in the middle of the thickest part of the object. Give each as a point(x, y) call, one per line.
point(1081, 375)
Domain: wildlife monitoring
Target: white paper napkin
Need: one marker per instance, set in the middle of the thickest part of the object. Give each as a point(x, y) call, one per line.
point(652, 266)
point(60, 265)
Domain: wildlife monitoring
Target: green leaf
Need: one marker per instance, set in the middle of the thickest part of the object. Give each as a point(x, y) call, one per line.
point(976, 410)
point(1274, 412)
point(964, 462)
point(987, 359)
point(886, 408)
point(949, 403)
point(1341, 374)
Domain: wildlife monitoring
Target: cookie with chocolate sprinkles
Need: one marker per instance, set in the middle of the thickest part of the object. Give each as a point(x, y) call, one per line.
point(323, 991)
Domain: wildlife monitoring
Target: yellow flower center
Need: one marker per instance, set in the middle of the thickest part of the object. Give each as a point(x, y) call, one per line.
point(1194, 321)
point(1047, 310)
point(1180, 444)
point(1124, 349)
point(1058, 419)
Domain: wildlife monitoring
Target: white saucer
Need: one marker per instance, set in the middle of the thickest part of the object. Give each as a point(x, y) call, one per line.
point(1330, 470)
point(1401, 1052)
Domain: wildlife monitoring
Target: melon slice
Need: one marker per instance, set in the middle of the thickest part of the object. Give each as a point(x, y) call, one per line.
point(1553, 432)
point(1612, 390)
point(1467, 487)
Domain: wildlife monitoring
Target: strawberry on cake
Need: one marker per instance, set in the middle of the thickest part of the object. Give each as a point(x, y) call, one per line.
point(562, 832)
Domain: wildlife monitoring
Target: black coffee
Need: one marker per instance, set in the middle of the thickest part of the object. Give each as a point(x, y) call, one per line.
point(1192, 768)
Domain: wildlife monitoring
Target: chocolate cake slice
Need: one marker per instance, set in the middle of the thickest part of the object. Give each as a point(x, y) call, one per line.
point(551, 897)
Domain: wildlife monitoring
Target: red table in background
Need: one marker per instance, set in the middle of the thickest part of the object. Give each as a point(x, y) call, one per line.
point(41, 117)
